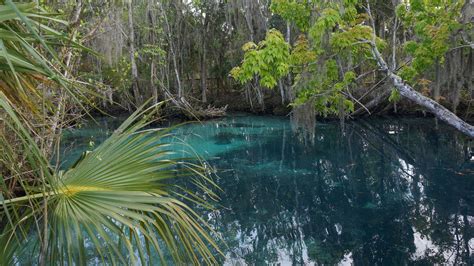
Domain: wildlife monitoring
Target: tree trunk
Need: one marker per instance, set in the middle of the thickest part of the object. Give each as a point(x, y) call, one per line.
point(131, 32)
point(154, 91)
point(151, 22)
point(288, 93)
point(204, 77)
point(282, 91)
point(203, 64)
point(408, 92)
point(173, 52)
point(437, 88)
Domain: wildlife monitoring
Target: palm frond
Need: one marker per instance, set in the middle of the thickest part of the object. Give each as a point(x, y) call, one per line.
point(118, 201)
point(27, 57)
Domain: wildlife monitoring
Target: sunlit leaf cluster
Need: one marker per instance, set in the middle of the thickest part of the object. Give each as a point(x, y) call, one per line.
point(432, 23)
point(302, 55)
point(269, 60)
point(325, 90)
point(298, 11)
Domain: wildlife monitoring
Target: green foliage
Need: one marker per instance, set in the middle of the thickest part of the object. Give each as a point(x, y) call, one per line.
point(297, 11)
point(301, 55)
point(334, 31)
point(152, 50)
point(351, 41)
point(325, 90)
point(408, 73)
point(394, 96)
point(25, 32)
point(325, 23)
point(118, 75)
point(339, 31)
point(269, 60)
point(432, 22)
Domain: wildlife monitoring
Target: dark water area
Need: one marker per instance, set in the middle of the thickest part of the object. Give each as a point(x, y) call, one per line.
point(379, 191)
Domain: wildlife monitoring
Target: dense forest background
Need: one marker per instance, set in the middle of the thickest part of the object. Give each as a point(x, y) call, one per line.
point(187, 49)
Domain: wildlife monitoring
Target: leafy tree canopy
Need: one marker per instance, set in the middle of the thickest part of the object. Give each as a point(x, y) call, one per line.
point(334, 47)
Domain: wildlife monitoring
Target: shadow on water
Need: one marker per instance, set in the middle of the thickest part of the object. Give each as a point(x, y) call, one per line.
point(380, 192)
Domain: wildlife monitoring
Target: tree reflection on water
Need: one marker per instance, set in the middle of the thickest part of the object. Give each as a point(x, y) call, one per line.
point(384, 192)
point(376, 193)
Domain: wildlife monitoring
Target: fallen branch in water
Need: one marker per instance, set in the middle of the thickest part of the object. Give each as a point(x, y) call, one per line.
point(195, 112)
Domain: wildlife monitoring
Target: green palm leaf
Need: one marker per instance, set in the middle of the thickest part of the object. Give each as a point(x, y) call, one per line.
point(119, 204)
point(118, 201)
point(24, 32)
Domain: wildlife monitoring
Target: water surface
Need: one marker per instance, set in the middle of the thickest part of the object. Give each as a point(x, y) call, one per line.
point(386, 192)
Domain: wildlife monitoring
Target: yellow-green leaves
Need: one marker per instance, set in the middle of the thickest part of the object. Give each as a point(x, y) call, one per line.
point(325, 23)
point(302, 54)
point(269, 60)
point(408, 73)
point(351, 41)
point(394, 96)
point(325, 90)
point(297, 11)
point(432, 22)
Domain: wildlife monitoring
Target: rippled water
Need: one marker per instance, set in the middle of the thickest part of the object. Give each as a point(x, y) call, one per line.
point(386, 192)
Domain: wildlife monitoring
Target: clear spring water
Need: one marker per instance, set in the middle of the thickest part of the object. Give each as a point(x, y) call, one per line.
point(386, 192)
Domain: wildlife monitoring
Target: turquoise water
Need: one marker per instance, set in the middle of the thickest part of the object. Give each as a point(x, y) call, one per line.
point(385, 192)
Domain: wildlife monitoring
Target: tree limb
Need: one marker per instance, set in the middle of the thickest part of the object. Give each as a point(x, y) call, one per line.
point(408, 92)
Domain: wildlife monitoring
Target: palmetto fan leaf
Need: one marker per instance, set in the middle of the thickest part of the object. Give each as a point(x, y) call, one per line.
point(119, 204)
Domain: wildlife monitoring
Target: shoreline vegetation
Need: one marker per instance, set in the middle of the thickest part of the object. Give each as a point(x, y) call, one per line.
point(198, 59)
point(276, 57)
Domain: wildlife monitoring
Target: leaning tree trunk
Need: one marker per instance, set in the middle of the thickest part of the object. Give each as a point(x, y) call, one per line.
point(408, 92)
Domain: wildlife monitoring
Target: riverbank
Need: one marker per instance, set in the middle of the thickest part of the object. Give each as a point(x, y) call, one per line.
point(274, 106)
